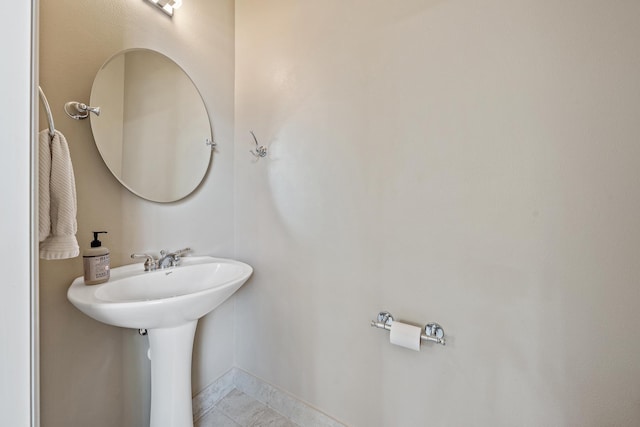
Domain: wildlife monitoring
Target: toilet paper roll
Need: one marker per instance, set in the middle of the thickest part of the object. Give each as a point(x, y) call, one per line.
point(404, 335)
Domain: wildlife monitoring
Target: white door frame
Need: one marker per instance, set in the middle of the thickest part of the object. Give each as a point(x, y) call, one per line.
point(19, 361)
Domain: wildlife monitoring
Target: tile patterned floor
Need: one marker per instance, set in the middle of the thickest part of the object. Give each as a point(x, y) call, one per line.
point(237, 409)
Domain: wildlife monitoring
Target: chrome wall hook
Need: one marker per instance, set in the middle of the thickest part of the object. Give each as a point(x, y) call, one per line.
point(79, 110)
point(261, 150)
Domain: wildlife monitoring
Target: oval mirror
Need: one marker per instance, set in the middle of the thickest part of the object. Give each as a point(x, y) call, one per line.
point(153, 127)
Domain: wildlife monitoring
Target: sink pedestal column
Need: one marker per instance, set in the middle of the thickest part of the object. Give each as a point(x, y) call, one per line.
point(171, 350)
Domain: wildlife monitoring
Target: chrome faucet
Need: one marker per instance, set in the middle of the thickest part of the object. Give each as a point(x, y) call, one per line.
point(167, 259)
point(170, 259)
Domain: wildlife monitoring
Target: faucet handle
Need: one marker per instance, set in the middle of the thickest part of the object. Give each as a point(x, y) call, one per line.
point(177, 254)
point(149, 262)
point(182, 251)
point(174, 253)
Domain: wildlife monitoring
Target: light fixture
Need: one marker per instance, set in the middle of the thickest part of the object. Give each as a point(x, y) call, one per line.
point(167, 6)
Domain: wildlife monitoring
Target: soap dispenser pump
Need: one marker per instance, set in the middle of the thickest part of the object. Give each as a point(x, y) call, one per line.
point(96, 262)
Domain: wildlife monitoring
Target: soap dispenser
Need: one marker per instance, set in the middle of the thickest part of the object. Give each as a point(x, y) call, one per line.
point(96, 262)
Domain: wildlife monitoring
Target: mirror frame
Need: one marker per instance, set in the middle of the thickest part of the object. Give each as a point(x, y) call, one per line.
point(100, 145)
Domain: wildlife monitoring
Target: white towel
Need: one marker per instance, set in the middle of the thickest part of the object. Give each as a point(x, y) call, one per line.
point(58, 206)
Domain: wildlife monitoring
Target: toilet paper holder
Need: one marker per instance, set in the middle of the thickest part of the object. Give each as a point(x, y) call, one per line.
point(431, 332)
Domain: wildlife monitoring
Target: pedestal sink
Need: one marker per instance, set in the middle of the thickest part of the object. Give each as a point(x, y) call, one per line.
point(168, 303)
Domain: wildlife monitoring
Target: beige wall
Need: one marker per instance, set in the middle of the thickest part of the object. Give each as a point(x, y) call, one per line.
point(93, 374)
point(471, 163)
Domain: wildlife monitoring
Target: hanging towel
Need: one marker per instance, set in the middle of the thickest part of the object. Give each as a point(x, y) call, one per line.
point(58, 207)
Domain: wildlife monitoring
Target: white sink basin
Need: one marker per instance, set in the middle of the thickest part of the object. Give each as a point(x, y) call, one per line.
point(134, 298)
point(168, 303)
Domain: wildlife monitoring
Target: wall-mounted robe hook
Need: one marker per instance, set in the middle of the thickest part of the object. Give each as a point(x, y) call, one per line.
point(261, 150)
